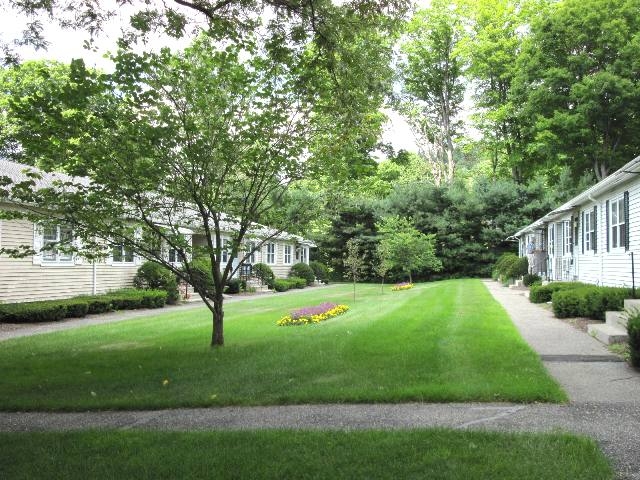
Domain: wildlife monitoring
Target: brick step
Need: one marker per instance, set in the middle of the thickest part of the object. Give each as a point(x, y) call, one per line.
point(607, 334)
point(616, 319)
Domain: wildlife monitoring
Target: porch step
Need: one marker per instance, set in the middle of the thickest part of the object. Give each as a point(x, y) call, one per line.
point(632, 304)
point(616, 319)
point(607, 334)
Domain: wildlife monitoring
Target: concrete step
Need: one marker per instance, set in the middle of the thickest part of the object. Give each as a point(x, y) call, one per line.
point(518, 283)
point(616, 319)
point(607, 334)
point(632, 304)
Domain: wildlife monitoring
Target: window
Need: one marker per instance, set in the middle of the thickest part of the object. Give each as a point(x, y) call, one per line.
point(51, 237)
point(225, 251)
point(618, 228)
point(567, 238)
point(122, 254)
point(287, 254)
point(250, 249)
point(175, 256)
point(271, 253)
point(552, 239)
point(589, 231)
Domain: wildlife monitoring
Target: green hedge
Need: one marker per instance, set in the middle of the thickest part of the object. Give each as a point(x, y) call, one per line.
point(284, 284)
point(531, 279)
point(542, 293)
point(588, 301)
point(56, 310)
point(633, 330)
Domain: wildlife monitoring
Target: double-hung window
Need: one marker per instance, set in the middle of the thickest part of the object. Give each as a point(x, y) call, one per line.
point(589, 231)
point(567, 237)
point(287, 254)
point(121, 253)
point(225, 251)
point(271, 253)
point(618, 227)
point(52, 236)
point(250, 249)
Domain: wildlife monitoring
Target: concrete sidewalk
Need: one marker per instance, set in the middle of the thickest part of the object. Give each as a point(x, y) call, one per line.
point(584, 367)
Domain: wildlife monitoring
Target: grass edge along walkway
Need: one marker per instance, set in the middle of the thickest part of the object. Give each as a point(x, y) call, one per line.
point(438, 342)
point(439, 453)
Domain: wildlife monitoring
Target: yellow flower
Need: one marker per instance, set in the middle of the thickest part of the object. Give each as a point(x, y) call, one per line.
point(165, 382)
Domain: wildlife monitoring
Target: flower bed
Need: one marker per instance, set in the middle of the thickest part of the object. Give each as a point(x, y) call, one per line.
point(401, 286)
point(315, 314)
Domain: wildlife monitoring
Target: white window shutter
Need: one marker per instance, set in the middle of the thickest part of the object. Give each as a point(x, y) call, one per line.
point(37, 244)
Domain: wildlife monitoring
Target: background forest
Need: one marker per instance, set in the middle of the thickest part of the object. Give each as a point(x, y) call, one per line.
point(515, 106)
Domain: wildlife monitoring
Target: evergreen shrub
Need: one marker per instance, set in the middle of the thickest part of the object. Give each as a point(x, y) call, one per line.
point(531, 279)
point(320, 270)
point(542, 293)
point(263, 272)
point(152, 275)
point(633, 330)
point(588, 301)
point(302, 270)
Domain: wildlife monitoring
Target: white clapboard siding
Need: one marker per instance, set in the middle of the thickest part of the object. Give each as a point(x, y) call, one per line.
point(22, 281)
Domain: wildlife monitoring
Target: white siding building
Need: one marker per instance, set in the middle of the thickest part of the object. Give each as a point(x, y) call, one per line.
point(592, 238)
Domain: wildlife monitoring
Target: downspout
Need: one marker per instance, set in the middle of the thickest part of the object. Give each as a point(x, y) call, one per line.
point(95, 278)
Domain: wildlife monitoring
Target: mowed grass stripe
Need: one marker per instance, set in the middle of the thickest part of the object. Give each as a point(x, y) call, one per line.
point(441, 454)
point(441, 341)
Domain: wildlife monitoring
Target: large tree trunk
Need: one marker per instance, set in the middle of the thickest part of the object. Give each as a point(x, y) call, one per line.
point(217, 336)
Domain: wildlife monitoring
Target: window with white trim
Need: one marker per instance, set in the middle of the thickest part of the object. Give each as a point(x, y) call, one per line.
point(589, 231)
point(271, 253)
point(250, 251)
point(617, 225)
point(567, 237)
point(121, 253)
point(287, 254)
point(51, 237)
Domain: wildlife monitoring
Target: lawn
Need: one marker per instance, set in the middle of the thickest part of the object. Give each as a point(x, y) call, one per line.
point(438, 342)
point(441, 454)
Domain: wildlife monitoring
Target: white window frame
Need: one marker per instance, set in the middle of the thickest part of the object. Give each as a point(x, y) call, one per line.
point(55, 258)
point(617, 229)
point(567, 241)
point(123, 254)
point(224, 254)
point(250, 252)
point(270, 257)
point(588, 230)
point(287, 255)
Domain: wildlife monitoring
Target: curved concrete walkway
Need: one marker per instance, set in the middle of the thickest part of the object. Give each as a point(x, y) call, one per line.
point(604, 393)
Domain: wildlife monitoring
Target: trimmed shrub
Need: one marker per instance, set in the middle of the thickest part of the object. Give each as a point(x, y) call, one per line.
point(507, 264)
point(542, 293)
point(152, 275)
point(99, 304)
point(32, 312)
point(531, 279)
point(633, 330)
point(263, 272)
point(302, 270)
point(76, 307)
point(588, 301)
point(297, 282)
point(280, 285)
point(320, 270)
point(235, 285)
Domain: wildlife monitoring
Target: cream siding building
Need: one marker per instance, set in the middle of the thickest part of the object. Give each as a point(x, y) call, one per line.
point(54, 275)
